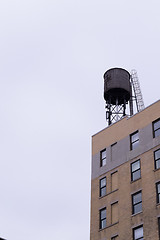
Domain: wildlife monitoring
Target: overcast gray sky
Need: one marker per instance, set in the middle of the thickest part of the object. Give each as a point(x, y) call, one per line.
point(53, 55)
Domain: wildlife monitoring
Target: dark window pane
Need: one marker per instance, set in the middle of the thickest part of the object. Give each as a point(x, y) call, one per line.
point(158, 192)
point(157, 125)
point(136, 175)
point(137, 198)
point(157, 133)
point(103, 213)
point(135, 165)
point(157, 154)
point(103, 223)
point(103, 218)
point(159, 227)
point(103, 161)
point(102, 186)
point(157, 164)
point(103, 191)
point(138, 233)
point(103, 182)
point(103, 158)
point(104, 154)
point(134, 137)
point(135, 144)
point(138, 208)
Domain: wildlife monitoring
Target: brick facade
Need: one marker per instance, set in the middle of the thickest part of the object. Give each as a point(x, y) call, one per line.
point(119, 162)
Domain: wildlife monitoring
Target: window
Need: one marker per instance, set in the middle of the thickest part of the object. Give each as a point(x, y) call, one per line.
point(114, 212)
point(103, 158)
point(138, 233)
point(158, 192)
point(157, 159)
point(102, 218)
point(159, 227)
point(114, 180)
point(135, 170)
point(103, 187)
point(134, 140)
point(137, 202)
point(156, 128)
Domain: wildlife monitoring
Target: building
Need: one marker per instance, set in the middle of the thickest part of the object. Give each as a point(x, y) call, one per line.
point(125, 184)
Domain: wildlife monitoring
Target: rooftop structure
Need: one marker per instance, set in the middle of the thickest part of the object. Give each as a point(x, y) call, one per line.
point(121, 88)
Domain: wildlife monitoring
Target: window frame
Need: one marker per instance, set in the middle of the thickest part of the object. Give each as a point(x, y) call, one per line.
point(139, 169)
point(132, 142)
point(159, 227)
point(133, 205)
point(157, 193)
point(134, 229)
point(103, 159)
point(102, 187)
point(154, 131)
point(156, 160)
point(102, 219)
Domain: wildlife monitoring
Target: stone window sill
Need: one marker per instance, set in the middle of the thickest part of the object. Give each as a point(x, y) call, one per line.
point(135, 214)
point(109, 226)
point(135, 180)
point(108, 193)
point(155, 170)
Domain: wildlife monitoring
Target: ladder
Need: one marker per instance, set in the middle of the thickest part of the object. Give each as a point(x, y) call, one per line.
point(137, 90)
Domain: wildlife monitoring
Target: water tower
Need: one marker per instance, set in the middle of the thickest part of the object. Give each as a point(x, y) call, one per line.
point(119, 85)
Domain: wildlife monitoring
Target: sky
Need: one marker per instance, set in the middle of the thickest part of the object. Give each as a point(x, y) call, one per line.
point(53, 55)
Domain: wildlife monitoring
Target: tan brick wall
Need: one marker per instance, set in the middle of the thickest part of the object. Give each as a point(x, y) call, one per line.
point(150, 210)
point(124, 127)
